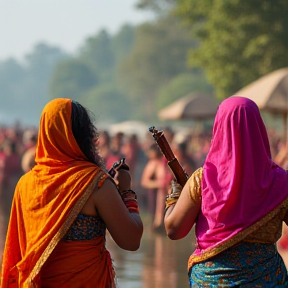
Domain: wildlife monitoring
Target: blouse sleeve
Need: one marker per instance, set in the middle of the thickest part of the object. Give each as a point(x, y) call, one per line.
point(195, 185)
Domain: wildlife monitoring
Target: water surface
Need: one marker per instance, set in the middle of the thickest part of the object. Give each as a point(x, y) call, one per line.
point(159, 262)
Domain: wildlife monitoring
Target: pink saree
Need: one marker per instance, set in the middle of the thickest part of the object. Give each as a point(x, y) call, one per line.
point(242, 188)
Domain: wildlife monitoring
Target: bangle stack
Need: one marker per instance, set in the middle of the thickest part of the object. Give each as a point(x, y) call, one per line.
point(128, 194)
point(171, 199)
point(129, 198)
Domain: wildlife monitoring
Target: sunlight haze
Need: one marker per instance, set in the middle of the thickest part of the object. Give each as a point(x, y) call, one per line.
point(64, 23)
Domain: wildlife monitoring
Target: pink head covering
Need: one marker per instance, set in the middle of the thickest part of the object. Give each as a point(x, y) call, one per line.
point(240, 182)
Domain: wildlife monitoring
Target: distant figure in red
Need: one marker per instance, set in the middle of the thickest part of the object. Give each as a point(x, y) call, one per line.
point(10, 171)
point(104, 149)
point(116, 145)
point(28, 157)
point(130, 150)
point(155, 179)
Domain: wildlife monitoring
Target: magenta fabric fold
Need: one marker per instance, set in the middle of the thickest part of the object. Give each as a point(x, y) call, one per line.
point(240, 183)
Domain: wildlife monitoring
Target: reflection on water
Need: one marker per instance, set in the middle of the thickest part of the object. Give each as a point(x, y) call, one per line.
point(159, 262)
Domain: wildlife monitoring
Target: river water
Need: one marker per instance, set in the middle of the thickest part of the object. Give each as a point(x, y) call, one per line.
point(159, 262)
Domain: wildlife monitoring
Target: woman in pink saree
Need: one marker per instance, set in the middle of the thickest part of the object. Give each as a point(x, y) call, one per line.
point(238, 201)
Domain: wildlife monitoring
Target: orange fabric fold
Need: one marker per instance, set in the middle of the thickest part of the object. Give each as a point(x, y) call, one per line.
point(48, 198)
point(89, 271)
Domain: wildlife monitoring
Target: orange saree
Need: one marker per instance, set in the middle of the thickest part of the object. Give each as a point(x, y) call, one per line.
point(46, 202)
point(61, 270)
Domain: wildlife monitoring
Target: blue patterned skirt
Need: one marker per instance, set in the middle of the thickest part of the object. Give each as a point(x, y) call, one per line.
point(245, 265)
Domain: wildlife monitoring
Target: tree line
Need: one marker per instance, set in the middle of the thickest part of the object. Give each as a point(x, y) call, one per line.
point(213, 46)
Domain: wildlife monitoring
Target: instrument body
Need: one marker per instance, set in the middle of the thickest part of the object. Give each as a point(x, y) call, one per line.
point(173, 163)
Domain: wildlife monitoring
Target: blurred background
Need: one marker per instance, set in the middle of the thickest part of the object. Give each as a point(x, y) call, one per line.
point(134, 64)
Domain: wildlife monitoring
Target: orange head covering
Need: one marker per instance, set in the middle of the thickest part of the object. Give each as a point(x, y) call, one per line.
point(48, 198)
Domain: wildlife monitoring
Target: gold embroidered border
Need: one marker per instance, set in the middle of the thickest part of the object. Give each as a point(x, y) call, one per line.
point(210, 252)
point(64, 228)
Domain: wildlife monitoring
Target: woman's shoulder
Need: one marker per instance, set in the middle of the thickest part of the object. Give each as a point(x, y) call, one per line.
point(101, 176)
point(198, 172)
point(196, 176)
point(195, 184)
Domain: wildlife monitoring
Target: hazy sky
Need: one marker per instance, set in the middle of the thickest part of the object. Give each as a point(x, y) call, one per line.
point(64, 23)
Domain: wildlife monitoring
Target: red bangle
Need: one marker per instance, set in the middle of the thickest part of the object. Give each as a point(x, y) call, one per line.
point(132, 205)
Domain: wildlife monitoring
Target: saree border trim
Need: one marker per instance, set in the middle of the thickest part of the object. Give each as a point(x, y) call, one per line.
point(210, 252)
point(64, 228)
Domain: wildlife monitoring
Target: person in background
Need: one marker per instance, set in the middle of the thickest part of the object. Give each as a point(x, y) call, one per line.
point(10, 171)
point(238, 201)
point(185, 160)
point(282, 156)
point(116, 144)
point(154, 181)
point(131, 150)
point(28, 157)
point(9, 175)
point(103, 146)
point(63, 206)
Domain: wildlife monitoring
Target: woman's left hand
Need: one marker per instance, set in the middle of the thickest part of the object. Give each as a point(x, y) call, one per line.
point(123, 179)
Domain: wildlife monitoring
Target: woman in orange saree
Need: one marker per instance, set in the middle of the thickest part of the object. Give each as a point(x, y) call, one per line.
point(62, 207)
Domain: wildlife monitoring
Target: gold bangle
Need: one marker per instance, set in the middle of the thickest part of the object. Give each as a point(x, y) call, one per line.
point(170, 201)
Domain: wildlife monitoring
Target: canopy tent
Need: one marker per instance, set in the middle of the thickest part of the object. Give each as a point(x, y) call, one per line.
point(197, 106)
point(270, 93)
point(129, 128)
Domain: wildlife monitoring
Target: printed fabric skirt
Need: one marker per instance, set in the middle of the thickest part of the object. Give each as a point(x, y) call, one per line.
point(245, 265)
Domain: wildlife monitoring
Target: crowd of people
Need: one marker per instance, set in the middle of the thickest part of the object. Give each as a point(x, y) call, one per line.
point(148, 168)
point(150, 175)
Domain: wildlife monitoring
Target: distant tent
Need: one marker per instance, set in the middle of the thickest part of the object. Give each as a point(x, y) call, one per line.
point(270, 93)
point(129, 127)
point(198, 106)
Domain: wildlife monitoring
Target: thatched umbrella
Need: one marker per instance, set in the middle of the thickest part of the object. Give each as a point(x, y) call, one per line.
point(270, 93)
point(197, 106)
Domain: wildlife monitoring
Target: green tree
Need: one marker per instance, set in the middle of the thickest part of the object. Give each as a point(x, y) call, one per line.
point(122, 43)
point(97, 54)
point(107, 103)
point(157, 6)
point(42, 60)
point(158, 55)
point(71, 79)
point(12, 76)
point(24, 85)
point(239, 41)
point(180, 86)
point(39, 66)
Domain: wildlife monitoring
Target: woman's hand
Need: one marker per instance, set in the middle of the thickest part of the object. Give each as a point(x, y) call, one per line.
point(125, 228)
point(181, 217)
point(123, 179)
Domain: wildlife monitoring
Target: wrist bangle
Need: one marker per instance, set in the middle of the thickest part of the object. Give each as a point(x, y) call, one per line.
point(129, 199)
point(132, 205)
point(129, 191)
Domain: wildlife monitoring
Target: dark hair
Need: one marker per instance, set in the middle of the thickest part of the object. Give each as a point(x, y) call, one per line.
point(85, 132)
